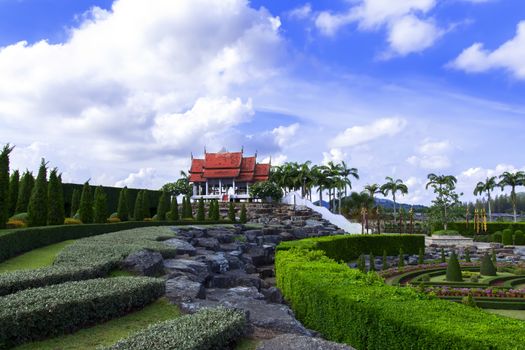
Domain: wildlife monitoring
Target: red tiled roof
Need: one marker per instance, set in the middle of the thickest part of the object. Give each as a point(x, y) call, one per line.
point(262, 172)
point(245, 177)
point(220, 173)
point(197, 177)
point(248, 164)
point(223, 160)
point(197, 165)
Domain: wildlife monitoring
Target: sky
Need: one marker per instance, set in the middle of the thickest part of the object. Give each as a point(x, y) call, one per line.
point(123, 92)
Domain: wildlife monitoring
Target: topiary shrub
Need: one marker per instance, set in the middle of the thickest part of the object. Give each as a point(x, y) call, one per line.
point(497, 237)
point(445, 233)
point(443, 259)
point(242, 217)
point(467, 255)
point(20, 217)
point(487, 267)
point(372, 261)
point(519, 237)
point(116, 219)
point(421, 256)
point(71, 221)
point(16, 224)
point(506, 238)
point(453, 269)
point(231, 212)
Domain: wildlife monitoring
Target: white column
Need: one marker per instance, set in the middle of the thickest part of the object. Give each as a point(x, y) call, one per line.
point(234, 190)
point(248, 188)
point(220, 187)
point(194, 189)
point(207, 187)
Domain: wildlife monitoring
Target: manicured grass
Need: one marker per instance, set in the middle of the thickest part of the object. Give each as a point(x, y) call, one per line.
point(34, 259)
point(121, 273)
point(109, 332)
point(517, 314)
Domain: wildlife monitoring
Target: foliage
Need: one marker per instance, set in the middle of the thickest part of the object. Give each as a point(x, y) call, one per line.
point(208, 329)
point(13, 223)
point(371, 258)
point(123, 205)
point(519, 237)
point(146, 212)
point(27, 183)
point(242, 217)
point(447, 199)
point(181, 186)
point(55, 199)
point(231, 212)
point(265, 190)
point(37, 208)
point(138, 209)
point(216, 211)
point(358, 309)
point(421, 256)
point(200, 210)
point(174, 210)
point(487, 187)
point(4, 185)
point(14, 183)
point(211, 210)
point(66, 307)
point(86, 204)
point(497, 237)
point(507, 238)
point(445, 233)
point(467, 255)
point(75, 202)
point(71, 221)
point(393, 186)
point(100, 207)
point(512, 180)
point(453, 269)
point(162, 207)
point(443, 259)
point(487, 266)
point(188, 214)
point(361, 263)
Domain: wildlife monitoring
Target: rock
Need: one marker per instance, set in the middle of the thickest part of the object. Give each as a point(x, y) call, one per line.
point(251, 235)
point(234, 278)
point(314, 223)
point(234, 293)
point(250, 268)
point(217, 263)
point(266, 272)
point(276, 317)
point(182, 289)
point(195, 270)
point(229, 247)
point(145, 263)
point(208, 243)
point(273, 295)
point(257, 255)
point(286, 236)
point(181, 246)
point(299, 342)
point(276, 239)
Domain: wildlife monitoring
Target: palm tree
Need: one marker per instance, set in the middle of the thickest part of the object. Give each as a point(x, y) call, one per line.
point(393, 186)
point(346, 173)
point(372, 190)
point(334, 177)
point(486, 186)
point(512, 180)
point(319, 179)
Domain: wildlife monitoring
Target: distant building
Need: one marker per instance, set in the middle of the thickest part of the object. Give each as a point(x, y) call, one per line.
point(226, 175)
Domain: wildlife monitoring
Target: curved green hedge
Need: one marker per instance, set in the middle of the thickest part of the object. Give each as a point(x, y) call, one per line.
point(44, 312)
point(208, 329)
point(348, 306)
point(17, 241)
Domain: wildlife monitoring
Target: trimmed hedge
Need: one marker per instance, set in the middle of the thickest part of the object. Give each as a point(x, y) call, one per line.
point(507, 237)
point(348, 306)
point(492, 227)
point(208, 329)
point(45, 312)
point(350, 247)
point(17, 241)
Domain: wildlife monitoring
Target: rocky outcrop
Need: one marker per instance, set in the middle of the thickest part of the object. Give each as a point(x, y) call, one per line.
point(145, 263)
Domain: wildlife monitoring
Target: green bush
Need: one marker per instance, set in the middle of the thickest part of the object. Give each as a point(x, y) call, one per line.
point(20, 217)
point(200, 210)
point(445, 233)
point(453, 269)
point(242, 217)
point(507, 237)
point(44, 312)
point(497, 237)
point(358, 309)
point(37, 208)
point(487, 266)
point(350, 247)
point(86, 204)
point(492, 227)
point(208, 329)
point(519, 237)
point(231, 212)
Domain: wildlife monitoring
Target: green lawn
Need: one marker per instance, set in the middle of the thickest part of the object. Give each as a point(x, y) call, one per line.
point(110, 332)
point(34, 259)
point(517, 314)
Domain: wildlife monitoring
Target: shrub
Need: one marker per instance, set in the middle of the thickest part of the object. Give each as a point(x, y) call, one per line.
point(266, 190)
point(44, 312)
point(37, 208)
point(71, 221)
point(453, 269)
point(371, 259)
point(174, 209)
point(421, 256)
point(519, 237)
point(163, 206)
point(445, 233)
point(487, 266)
point(4, 185)
point(100, 206)
point(12, 223)
point(425, 278)
point(55, 199)
point(75, 202)
point(14, 184)
point(242, 218)
point(231, 212)
point(21, 217)
point(86, 204)
point(443, 258)
point(200, 210)
point(497, 237)
point(24, 192)
point(467, 255)
point(138, 212)
point(474, 278)
point(209, 329)
point(361, 263)
point(114, 220)
point(507, 237)
point(401, 259)
point(123, 205)
point(211, 210)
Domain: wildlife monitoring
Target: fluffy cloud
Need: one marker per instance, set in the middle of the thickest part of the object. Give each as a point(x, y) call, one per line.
point(360, 134)
point(411, 34)
point(509, 56)
point(335, 155)
point(142, 178)
point(285, 134)
point(135, 82)
point(432, 155)
point(301, 12)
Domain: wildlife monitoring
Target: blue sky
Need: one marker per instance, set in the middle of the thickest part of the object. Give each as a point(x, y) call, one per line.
point(123, 91)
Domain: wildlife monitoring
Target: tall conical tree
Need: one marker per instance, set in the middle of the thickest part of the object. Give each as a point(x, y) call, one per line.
point(75, 202)
point(123, 205)
point(231, 212)
point(216, 211)
point(487, 266)
point(55, 200)
point(453, 269)
point(211, 210)
point(138, 211)
point(200, 210)
point(162, 208)
point(145, 204)
point(85, 211)
point(37, 208)
point(24, 192)
point(14, 185)
point(242, 216)
point(100, 206)
point(189, 208)
point(174, 210)
point(4, 185)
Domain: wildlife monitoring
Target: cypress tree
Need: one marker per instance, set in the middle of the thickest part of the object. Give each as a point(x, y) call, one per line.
point(467, 255)
point(453, 269)
point(4, 185)
point(231, 212)
point(494, 259)
point(162, 208)
point(200, 210)
point(174, 212)
point(385, 260)
point(138, 212)
point(55, 200)
point(183, 209)
point(401, 262)
point(24, 192)
point(123, 205)
point(211, 210)
point(86, 204)
point(487, 266)
point(100, 206)
point(242, 217)
point(146, 212)
point(371, 258)
point(443, 259)
point(189, 208)
point(14, 184)
point(421, 257)
point(75, 202)
point(216, 211)
point(37, 208)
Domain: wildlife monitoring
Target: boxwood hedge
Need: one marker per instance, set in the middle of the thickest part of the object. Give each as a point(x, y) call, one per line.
point(492, 227)
point(44, 312)
point(350, 247)
point(352, 307)
point(208, 329)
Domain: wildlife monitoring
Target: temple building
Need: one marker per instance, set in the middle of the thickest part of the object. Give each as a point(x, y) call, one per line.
point(226, 175)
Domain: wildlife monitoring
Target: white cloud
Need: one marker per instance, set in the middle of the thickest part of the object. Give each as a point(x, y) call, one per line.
point(360, 134)
point(329, 23)
point(509, 56)
point(301, 12)
point(410, 34)
point(285, 134)
point(335, 155)
point(432, 155)
point(278, 159)
point(375, 13)
point(140, 179)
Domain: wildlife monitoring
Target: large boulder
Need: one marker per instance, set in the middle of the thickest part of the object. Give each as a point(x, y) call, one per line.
point(208, 243)
point(195, 270)
point(182, 247)
point(145, 263)
point(300, 342)
point(182, 289)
